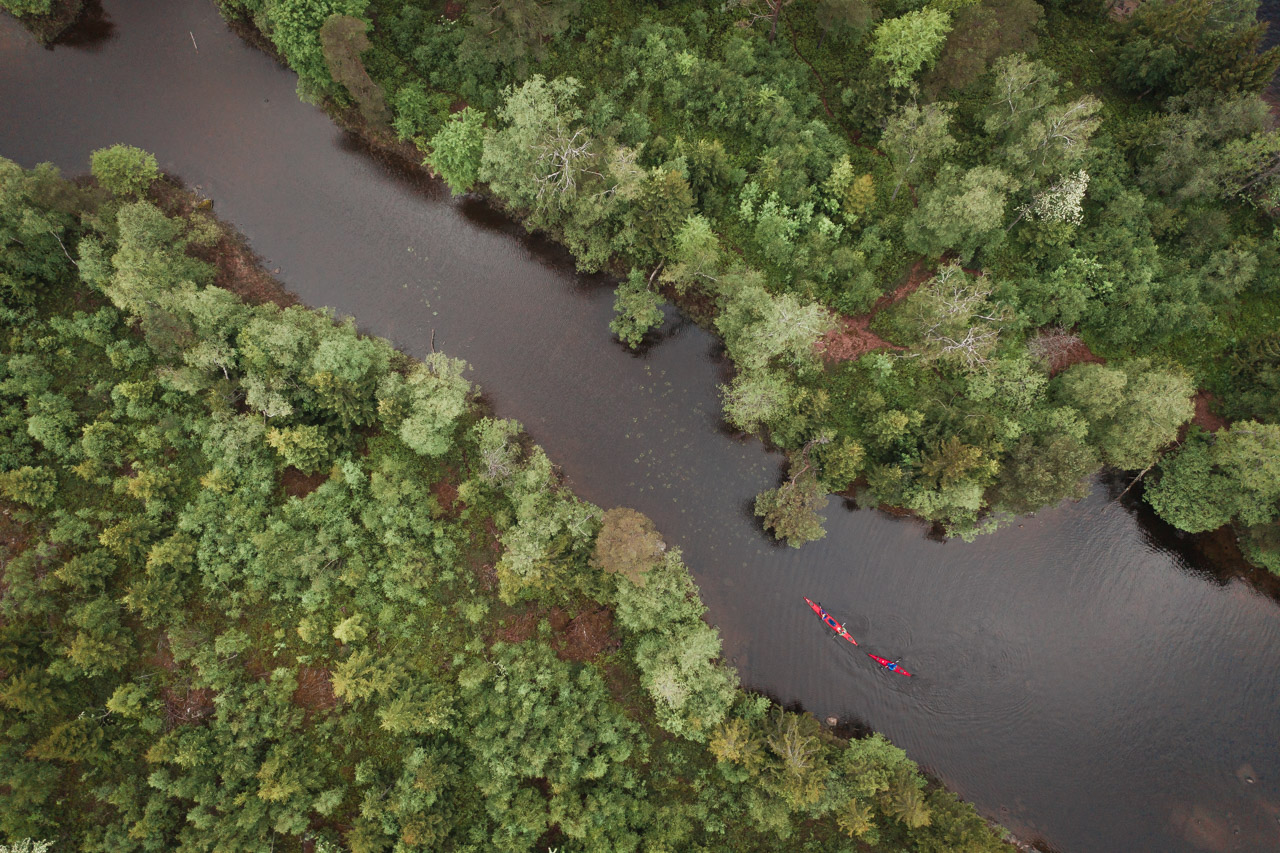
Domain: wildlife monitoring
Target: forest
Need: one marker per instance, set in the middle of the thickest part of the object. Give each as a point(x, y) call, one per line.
point(271, 584)
point(962, 253)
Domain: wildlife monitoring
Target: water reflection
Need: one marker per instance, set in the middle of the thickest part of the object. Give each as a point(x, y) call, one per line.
point(91, 31)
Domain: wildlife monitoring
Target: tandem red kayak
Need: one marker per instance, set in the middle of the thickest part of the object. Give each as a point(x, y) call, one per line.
point(830, 621)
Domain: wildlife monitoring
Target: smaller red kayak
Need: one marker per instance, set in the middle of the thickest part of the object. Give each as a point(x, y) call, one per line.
point(891, 665)
point(830, 621)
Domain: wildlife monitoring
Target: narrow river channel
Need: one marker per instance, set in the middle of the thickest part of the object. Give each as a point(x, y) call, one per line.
point(1081, 679)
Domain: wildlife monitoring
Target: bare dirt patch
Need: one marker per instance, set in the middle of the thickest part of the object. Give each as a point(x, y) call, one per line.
point(578, 639)
point(237, 267)
point(298, 485)
point(1205, 417)
point(163, 656)
point(184, 707)
point(853, 337)
point(588, 635)
point(446, 494)
point(240, 270)
point(314, 692)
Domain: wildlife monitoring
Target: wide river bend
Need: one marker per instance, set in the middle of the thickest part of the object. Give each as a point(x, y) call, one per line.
point(1082, 678)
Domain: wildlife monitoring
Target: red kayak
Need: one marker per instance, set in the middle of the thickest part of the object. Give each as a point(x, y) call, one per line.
point(891, 665)
point(830, 621)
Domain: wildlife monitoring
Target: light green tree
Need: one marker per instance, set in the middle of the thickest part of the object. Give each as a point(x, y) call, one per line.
point(1133, 410)
point(916, 139)
point(909, 42)
point(458, 149)
point(123, 170)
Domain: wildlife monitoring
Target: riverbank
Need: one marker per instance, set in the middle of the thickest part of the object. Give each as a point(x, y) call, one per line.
point(779, 390)
point(48, 27)
point(474, 614)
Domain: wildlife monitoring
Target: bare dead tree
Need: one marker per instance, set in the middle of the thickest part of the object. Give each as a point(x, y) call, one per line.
point(760, 10)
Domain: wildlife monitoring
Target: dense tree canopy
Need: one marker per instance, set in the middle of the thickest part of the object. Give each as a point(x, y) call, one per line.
point(270, 583)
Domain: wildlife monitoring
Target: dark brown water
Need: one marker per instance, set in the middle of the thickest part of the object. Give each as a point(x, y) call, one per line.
point(1080, 678)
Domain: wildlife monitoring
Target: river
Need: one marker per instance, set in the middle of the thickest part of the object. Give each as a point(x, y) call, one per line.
point(1082, 678)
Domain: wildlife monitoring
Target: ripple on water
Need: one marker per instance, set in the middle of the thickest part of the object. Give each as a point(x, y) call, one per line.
point(980, 680)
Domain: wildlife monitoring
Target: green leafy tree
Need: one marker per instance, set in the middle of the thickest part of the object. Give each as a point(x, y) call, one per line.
point(123, 170)
point(964, 211)
point(1037, 138)
point(982, 32)
point(637, 309)
point(792, 510)
point(916, 140)
point(760, 329)
point(1233, 474)
point(498, 452)
point(844, 20)
point(1041, 471)
point(1208, 148)
point(35, 230)
point(541, 156)
point(661, 203)
point(306, 447)
point(909, 42)
point(691, 693)
point(458, 149)
point(1132, 411)
point(294, 26)
point(516, 32)
point(436, 396)
point(695, 256)
point(757, 398)
point(24, 8)
point(34, 487)
point(1176, 47)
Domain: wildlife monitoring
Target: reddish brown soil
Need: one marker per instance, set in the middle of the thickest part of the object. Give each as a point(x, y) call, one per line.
point(298, 485)
point(519, 627)
point(241, 272)
point(579, 639)
point(1204, 417)
point(452, 10)
point(184, 707)
point(854, 338)
point(14, 539)
point(446, 494)
point(163, 657)
point(483, 559)
point(588, 635)
point(236, 266)
point(315, 690)
point(1121, 9)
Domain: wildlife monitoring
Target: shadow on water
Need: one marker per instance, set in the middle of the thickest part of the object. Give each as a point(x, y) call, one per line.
point(90, 32)
point(1213, 556)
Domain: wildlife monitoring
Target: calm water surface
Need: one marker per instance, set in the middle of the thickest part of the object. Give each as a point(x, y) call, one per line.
point(1080, 678)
